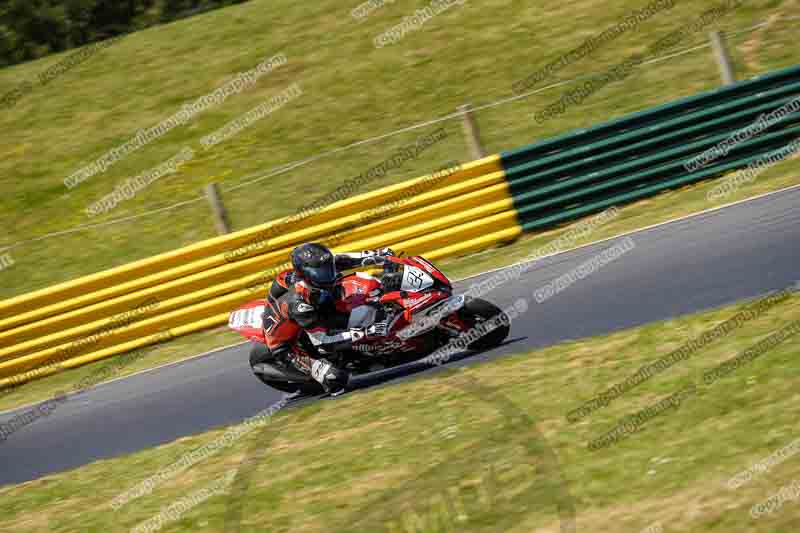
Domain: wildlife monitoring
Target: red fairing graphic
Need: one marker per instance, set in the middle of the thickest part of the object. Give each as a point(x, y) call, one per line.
point(357, 289)
point(268, 322)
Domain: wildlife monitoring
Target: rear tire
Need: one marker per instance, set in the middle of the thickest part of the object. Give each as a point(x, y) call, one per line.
point(284, 386)
point(476, 311)
point(259, 353)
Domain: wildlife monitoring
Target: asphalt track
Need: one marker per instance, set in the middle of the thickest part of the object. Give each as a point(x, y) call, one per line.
point(701, 262)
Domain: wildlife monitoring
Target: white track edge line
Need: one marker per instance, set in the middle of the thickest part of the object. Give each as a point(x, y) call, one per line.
point(639, 230)
point(143, 371)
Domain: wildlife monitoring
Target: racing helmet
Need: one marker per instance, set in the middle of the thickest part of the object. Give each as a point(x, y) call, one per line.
point(315, 264)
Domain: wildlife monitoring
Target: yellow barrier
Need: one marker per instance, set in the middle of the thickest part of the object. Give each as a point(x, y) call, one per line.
point(417, 239)
point(76, 362)
point(196, 287)
point(31, 372)
point(227, 277)
point(189, 254)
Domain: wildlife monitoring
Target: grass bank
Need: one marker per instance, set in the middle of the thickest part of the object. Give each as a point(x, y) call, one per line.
point(351, 90)
point(483, 447)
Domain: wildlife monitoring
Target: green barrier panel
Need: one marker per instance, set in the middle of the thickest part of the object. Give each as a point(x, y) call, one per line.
point(533, 211)
point(564, 215)
point(610, 176)
point(572, 174)
point(652, 116)
point(568, 162)
point(536, 183)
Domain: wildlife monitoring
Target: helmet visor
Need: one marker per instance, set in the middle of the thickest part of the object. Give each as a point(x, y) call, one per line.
point(321, 276)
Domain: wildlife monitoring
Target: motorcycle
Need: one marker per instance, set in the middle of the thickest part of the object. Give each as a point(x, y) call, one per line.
point(423, 316)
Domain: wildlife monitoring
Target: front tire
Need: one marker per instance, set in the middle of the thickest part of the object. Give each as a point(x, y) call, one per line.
point(477, 311)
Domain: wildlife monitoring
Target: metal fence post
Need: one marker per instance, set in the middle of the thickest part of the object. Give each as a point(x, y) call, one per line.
point(723, 57)
point(472, 133)
point(218, 208)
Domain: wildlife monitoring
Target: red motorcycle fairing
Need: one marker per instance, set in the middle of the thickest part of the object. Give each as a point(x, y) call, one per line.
point(426, 265)
point(246, 320)
point(357, 289)
point(423, 285)
point(265, 322)
point(412, 302)
point(407, 303)
point(420, 274)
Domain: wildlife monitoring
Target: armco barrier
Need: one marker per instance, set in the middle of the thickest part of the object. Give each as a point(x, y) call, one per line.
point(415, 216)
point(643, 153)
point(455, 211)
point(217, 247)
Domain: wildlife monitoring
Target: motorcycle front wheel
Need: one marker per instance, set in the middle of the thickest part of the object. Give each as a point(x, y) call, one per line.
point(477, 311)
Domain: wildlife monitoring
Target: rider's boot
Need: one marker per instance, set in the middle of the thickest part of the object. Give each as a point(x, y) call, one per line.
point(332, 378)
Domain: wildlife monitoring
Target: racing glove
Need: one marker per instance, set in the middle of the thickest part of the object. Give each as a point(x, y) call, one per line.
point(375, 331)
point(375, 257)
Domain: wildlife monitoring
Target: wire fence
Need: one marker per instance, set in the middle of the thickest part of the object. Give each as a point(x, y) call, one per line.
point(251, 198)
point(256, 178)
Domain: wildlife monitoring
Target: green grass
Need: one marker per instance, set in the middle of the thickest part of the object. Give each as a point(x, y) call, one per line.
point(471, 53)
point(484, 433)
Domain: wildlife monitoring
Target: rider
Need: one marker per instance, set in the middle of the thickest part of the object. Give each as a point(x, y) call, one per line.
point(310, 285)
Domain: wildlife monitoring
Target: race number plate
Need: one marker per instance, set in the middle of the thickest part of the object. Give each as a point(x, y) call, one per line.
point(247, 318)
point(415, 279)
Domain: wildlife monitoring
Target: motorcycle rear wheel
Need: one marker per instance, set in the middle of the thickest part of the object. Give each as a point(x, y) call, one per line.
point(259, 354)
